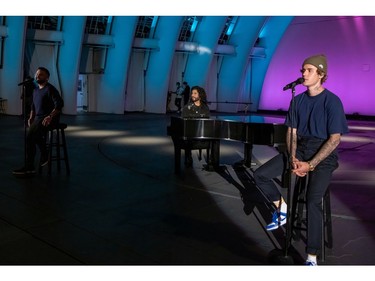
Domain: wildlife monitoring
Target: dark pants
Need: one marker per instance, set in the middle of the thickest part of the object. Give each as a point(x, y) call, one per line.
point(36, 136)
point(317, 186)
point(190, 145)
point(177, 102)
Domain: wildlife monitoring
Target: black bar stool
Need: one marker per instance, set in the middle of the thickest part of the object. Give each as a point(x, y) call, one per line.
point(56, 147)
point(299, 218)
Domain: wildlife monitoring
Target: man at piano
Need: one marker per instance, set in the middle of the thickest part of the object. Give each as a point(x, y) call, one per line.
point(195, 108)
point(197, 105)
point(315, 121)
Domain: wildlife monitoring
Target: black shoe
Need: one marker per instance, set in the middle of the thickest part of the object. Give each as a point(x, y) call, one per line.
point(24, 171)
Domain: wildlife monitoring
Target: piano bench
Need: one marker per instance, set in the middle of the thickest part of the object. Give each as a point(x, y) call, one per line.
point(188, 146)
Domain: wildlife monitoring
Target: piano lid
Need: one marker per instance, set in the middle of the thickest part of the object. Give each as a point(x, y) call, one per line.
point(251, 119)
point(247, 129)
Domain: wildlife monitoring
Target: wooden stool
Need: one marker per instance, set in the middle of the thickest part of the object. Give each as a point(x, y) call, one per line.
point(56, 139)
point(299, 219)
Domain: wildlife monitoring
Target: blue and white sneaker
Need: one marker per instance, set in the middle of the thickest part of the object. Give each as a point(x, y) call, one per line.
point(310, 263)
point(278, 219)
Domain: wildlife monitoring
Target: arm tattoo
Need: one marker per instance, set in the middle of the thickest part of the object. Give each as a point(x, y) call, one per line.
point(326, 149)
point(291, 150)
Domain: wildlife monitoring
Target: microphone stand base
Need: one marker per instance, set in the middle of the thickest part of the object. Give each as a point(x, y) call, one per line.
point(278, 257)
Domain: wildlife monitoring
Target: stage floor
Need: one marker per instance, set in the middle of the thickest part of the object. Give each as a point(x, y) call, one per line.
point(122, 204)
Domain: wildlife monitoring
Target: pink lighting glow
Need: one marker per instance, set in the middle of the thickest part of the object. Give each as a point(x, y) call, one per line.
point(348, 43)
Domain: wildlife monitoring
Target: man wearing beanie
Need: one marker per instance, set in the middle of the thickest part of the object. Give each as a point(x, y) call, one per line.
point(315, 124)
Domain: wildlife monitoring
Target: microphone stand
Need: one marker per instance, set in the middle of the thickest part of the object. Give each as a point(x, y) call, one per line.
point(286, 258)
point(25, 118)
point(24, 122)
point(288, 233)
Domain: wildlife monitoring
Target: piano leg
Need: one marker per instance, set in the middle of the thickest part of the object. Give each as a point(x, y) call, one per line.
point(214, 157)
point(248, 151)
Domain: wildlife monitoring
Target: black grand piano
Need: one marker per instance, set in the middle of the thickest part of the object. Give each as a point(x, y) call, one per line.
point(249, 130)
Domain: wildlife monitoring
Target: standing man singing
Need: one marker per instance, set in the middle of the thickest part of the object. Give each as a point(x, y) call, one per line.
point(45, 112)
point(318, 123)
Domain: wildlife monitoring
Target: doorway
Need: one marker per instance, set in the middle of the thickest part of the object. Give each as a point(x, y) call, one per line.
point(82, 92)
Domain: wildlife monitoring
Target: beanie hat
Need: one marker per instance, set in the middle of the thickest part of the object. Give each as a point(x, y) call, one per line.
point(319, 61)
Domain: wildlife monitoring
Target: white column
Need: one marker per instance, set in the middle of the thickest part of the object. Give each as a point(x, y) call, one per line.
point(206, 36)
point(233, 67)
point(160, 63)
point(69, 61)
point(12, 72)
point(110, 92)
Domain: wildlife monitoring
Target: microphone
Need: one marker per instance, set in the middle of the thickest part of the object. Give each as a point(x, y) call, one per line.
point(26, 81)
point(293, 84)
point(190, 105)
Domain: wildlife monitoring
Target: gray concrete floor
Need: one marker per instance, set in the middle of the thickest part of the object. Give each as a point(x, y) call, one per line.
point(122, 204)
